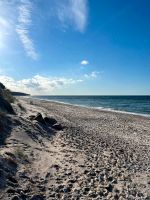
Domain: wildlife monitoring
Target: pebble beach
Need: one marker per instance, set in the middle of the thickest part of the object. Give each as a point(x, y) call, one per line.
point(95, 155)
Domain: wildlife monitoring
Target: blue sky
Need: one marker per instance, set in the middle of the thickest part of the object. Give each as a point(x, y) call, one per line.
point(75, 46)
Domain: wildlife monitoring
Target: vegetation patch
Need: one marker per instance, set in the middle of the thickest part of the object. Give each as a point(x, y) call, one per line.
point(21, 107)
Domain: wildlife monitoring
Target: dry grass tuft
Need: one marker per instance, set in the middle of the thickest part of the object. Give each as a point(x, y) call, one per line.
point(21, 107)
point(20, 154)
point(8, 96)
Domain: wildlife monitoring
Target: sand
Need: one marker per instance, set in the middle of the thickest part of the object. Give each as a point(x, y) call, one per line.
point(97, 154)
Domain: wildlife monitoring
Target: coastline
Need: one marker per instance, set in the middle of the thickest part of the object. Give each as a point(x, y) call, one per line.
point(96, 108)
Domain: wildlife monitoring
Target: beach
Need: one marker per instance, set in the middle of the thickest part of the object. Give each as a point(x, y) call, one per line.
point(94, 154)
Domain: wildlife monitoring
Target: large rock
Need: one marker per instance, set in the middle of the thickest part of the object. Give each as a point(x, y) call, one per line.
point(39, 118)
point(49, 120)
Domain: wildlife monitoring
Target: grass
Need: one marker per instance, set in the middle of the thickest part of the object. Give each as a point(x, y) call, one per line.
point(20, 154)
point(8, 96)
point(21, 107)
point(31, 102)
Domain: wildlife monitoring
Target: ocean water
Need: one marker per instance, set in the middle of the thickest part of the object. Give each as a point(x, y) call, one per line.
point(131, 104)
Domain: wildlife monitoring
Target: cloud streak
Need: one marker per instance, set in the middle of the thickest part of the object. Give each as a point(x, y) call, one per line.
point(92, 75)
point(74, 13)
point(22, 28)
point(6, 23)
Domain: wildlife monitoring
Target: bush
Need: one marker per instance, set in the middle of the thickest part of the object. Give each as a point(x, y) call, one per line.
point(6, 99)
point(8, 96)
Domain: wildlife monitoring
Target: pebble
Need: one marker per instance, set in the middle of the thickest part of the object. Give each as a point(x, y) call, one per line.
point(15, 198)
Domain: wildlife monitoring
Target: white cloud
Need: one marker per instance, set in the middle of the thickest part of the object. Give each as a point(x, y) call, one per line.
point(37, 84)
point(22, 28)
point(84, 62)
point(93, 74)
point(73, 12)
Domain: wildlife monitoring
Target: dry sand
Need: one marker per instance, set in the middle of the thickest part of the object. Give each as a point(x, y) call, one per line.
point(97, 155)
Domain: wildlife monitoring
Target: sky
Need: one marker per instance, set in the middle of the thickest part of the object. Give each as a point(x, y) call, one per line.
point(75, 47)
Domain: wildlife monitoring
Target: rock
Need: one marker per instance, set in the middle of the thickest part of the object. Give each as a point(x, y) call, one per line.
point(50, 120)
point(57, 127)
point(15, 198)
point(31, 117)
point(116, 197)
point(86, 171)
point(109, 188)
point(52, 194)
point(66, 190)
point(86, 190)
point(110, 178)
point(92, 194)
point(42, 188)
point(37, 197)
point(12, 179)
point(11, 190)
point(39, 118)
point(92, 173)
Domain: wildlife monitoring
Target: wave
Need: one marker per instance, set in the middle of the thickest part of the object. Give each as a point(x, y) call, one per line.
point(91, 107)
point(121, 111)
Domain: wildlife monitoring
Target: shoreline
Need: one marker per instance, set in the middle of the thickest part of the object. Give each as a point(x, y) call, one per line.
point(95, 108)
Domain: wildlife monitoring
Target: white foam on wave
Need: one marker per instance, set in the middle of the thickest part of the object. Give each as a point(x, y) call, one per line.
point(121, 111)
point(96, 108)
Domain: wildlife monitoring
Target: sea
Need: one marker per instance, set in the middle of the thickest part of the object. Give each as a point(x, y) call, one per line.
point(131, 104)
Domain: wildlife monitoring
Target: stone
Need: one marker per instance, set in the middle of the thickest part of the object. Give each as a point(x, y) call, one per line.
point(11, 190)
point(39, 118)
point(110, 178)
point(52, 194)
point(12, 179)
point(37, 197)
point(92, 194)
point(67, 189)
point(109, 188)
point(15, 198)
point(50, 120)
point(86, 171)
point(71, 181)
point(31, 117)
point(57, 127)
point(92, 173)
point(86, 190)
